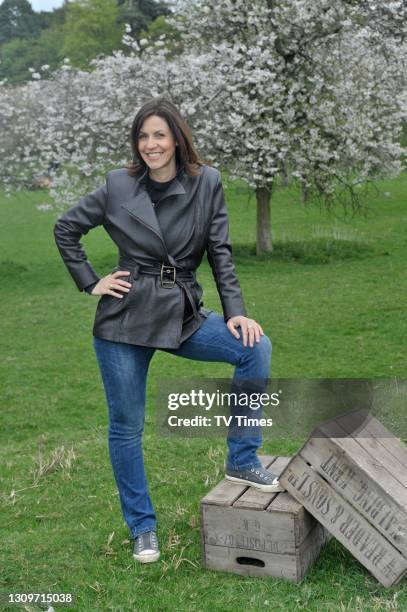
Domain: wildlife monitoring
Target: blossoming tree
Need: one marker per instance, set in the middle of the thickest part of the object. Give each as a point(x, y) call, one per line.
point(79, 122)
point(312, 90)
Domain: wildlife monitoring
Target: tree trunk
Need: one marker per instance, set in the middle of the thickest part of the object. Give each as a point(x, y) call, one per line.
point(284, 175)
point(264, 240)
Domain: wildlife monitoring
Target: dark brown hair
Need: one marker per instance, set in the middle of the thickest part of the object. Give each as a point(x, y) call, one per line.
point(185, 153)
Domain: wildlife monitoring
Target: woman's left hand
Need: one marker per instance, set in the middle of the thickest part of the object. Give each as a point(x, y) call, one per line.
point(250, 329)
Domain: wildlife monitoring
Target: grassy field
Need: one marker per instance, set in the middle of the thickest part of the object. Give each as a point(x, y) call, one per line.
point(332, 299)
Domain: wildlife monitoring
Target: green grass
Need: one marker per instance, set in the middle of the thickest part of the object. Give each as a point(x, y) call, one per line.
point(332, 299)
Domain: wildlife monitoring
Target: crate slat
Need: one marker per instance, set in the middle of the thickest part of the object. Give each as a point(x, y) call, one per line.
point(380, 442)
point(303, 521)
point(310, 548)
point(337, 515)
point(223, 558)
point(364, 482)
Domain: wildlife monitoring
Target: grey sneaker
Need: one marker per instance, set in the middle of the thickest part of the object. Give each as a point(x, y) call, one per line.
point(258, 477)
point(146, 548)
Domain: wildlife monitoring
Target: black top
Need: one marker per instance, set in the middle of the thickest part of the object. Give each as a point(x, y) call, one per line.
point(156, 188)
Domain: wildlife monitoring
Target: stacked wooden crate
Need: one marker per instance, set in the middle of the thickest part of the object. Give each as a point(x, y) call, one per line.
point(351, 476)
point(250, 532)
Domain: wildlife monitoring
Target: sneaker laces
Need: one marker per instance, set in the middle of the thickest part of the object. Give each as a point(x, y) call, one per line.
point(268, 476)
point(146, 541)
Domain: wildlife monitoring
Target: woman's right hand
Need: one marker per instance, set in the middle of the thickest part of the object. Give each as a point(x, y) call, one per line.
point(109, 283)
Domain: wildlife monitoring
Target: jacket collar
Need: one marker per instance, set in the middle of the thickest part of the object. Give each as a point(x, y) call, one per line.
point(139, 205)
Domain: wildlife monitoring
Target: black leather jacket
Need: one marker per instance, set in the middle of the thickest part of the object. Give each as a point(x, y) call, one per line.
point(151, 314)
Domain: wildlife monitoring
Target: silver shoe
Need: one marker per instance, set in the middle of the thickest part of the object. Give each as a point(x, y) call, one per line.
point(146, 548)
point(257, 477)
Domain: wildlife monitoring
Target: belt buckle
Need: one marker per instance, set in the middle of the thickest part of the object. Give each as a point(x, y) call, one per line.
point(167, 283)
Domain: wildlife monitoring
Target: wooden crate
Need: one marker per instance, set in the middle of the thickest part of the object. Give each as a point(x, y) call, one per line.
point(351, 476)
point(249, 532)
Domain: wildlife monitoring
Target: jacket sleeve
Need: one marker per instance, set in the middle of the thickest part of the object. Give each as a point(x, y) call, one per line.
point(88, 213)
point(219, 252)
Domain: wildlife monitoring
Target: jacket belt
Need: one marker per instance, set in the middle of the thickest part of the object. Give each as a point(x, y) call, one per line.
point(158, 269)
point(161, 269)
point(170, 275)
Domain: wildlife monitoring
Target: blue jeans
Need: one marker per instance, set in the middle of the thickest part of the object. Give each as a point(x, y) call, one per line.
point(124, 373)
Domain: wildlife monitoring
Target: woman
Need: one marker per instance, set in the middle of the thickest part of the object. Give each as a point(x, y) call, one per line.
point(164, 211)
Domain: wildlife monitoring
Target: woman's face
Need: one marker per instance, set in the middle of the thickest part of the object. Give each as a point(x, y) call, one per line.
point(156, 144)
